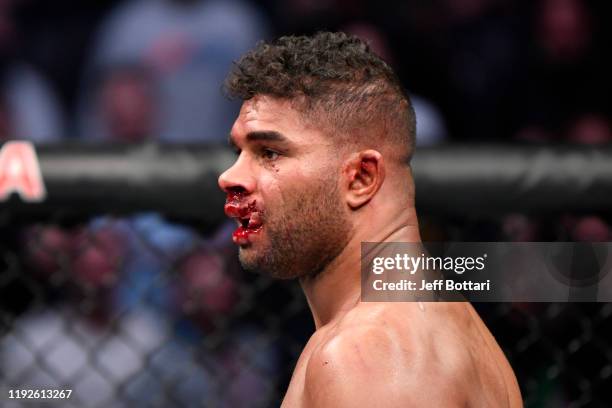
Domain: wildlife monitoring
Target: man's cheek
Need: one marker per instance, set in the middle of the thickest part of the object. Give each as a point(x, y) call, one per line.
point(274, 190)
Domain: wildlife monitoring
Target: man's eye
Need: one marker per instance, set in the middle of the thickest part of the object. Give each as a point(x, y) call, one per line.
point(269, 154)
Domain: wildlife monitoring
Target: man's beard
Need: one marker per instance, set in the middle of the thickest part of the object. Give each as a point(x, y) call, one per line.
point(312, 232)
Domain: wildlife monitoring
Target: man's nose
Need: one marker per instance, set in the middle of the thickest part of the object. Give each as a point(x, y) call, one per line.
point(237, 177)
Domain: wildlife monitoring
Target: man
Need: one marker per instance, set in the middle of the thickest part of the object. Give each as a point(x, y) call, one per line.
point(324, 139)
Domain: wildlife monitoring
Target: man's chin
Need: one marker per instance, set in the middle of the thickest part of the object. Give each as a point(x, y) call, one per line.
point(253, 261)
point(250, 259)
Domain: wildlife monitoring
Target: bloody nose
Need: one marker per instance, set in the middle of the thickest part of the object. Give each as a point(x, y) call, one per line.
point(232, 203)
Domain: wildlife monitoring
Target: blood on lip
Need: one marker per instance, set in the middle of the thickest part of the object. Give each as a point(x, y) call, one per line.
point(243, 233)
point(254, 220)
point(241, 236)
point(232, 204)
point(235, 209)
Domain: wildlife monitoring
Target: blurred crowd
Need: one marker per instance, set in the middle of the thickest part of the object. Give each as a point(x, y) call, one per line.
point(151, 69)
point(130, 71)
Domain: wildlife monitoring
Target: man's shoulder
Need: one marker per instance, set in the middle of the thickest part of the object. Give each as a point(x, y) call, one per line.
point(402, 335)
point(356, 344)
point(369, 359)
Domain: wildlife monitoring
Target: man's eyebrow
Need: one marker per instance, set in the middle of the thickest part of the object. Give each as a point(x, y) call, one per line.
point(266, 135)
point(262, 135)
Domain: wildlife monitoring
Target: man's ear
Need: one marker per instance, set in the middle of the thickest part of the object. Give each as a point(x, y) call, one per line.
point(364, 174)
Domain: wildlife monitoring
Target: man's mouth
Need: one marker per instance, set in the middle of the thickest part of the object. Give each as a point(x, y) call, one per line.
point(247, 216)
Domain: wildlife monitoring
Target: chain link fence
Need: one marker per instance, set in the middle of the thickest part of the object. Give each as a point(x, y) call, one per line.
point(140, 311)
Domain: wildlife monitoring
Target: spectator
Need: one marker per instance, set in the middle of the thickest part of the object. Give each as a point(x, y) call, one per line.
point(28, 106)
point(127, 105)
point(187, 46)
point(568, 73)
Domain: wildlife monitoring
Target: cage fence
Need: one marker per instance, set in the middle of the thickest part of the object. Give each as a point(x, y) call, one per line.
point(137, 311)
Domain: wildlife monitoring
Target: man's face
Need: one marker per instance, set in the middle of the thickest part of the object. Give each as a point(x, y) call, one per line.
point(283, 190)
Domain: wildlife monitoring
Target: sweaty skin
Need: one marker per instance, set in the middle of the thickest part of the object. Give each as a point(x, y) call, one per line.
point(362, 354)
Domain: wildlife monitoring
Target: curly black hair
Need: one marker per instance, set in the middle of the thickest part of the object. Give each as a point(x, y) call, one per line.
point(335, 81)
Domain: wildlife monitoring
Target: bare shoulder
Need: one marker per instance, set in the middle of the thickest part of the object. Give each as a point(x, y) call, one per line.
point(368, 360)
point(396, 355)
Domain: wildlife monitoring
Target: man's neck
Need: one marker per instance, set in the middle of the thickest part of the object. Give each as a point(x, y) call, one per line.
point(337, 289)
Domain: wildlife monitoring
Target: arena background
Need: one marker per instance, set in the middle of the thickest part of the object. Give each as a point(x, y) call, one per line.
point(124, 286)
